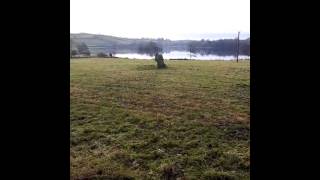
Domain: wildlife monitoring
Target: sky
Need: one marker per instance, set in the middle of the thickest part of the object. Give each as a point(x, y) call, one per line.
point(172, 19)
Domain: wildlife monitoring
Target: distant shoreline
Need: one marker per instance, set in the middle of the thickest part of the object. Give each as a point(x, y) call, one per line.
point(186, 37)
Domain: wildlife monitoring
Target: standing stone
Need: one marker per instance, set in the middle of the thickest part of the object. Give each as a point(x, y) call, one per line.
point(160, 61)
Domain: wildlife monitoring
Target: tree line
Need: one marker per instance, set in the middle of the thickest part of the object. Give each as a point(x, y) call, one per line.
point(107, 44)
point(223, 47)
point(220, 47)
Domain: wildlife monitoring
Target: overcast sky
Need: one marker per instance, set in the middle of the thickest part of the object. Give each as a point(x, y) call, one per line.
point(173, 19)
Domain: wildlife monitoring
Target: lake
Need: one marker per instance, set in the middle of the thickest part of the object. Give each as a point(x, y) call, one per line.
point(181, 55)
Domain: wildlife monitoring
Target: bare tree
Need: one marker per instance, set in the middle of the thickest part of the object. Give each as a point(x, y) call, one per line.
point(83, 49)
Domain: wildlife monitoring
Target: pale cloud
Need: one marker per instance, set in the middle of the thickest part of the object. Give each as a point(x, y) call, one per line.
point(159, 18)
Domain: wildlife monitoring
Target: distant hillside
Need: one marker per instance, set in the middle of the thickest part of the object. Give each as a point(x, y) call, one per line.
point(105, 43)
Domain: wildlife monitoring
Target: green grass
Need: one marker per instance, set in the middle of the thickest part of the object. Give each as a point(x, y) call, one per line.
point(130, 120)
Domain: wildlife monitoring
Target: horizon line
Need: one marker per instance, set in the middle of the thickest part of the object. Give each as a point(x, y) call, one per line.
point(119, 36)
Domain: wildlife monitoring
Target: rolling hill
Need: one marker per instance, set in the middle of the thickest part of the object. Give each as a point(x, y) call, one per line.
point(105, 43)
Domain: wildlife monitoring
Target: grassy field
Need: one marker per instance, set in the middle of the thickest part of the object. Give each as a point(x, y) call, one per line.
point(130, 120)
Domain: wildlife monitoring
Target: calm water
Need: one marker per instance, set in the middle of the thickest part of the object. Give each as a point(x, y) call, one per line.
point(180, 55)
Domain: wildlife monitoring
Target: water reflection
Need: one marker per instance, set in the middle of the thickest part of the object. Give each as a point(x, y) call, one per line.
point(181, 55)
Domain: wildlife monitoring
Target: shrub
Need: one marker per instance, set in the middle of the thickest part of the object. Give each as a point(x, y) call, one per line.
point(74, 52)
point(101, 54)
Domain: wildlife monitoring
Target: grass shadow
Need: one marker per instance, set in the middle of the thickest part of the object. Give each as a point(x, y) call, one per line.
point(152, 67)
point(146, 67)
